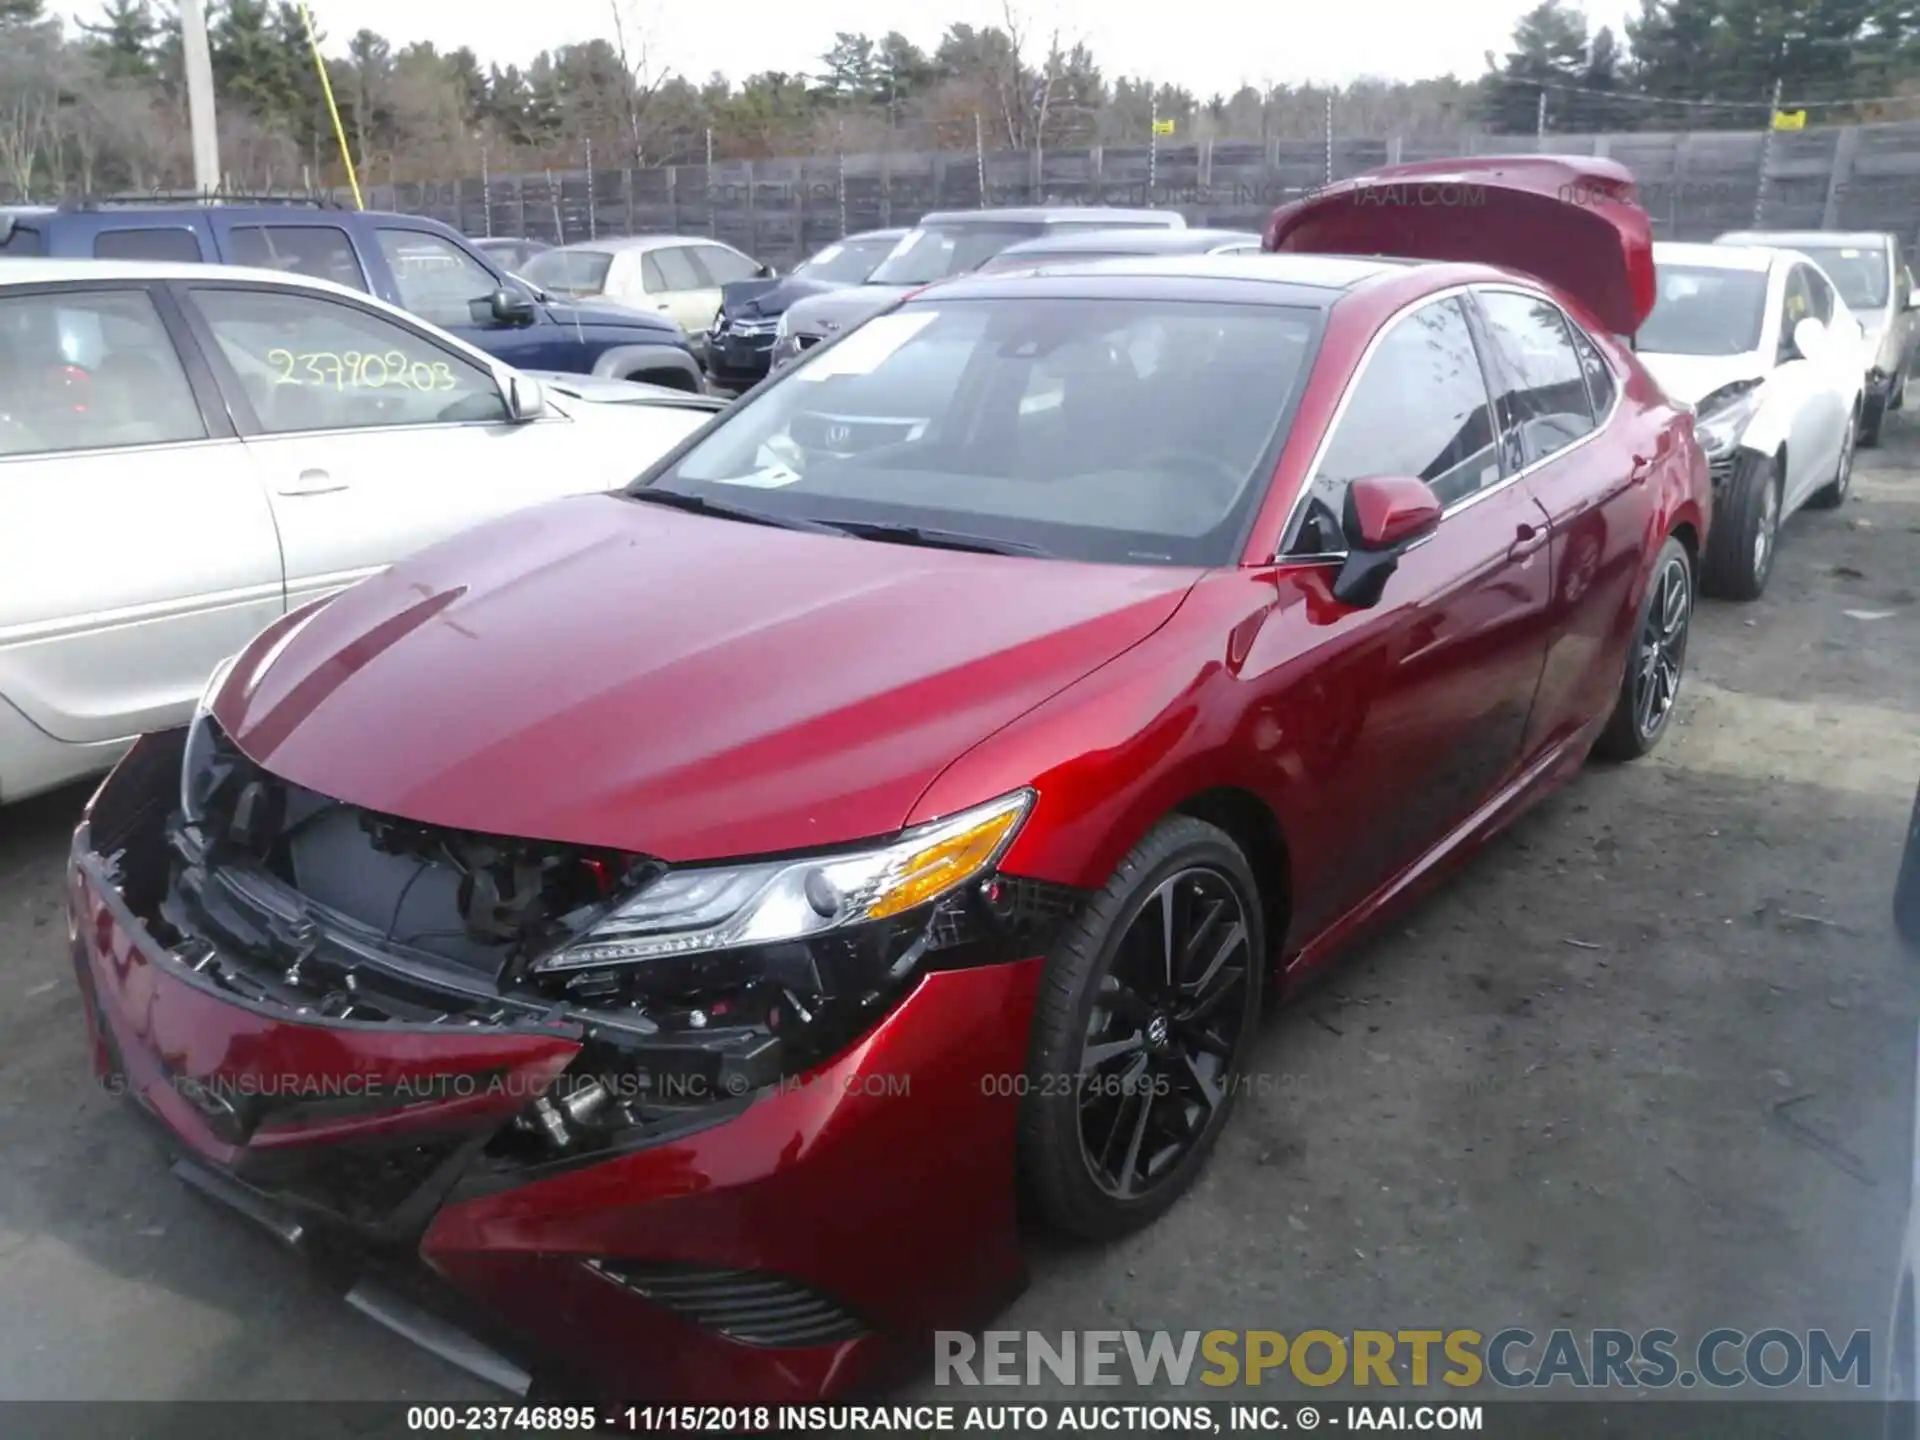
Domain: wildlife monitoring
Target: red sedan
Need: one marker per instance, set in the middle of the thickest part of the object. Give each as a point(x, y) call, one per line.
point(683, 918)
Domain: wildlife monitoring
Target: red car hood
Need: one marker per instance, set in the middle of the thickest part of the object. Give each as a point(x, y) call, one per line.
point(1573, 221)
point(609, 673)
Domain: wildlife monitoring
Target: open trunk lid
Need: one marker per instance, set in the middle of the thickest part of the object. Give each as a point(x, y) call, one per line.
point(1572, 221)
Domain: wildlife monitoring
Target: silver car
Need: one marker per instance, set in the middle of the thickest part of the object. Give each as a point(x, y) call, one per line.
point(1871, 273)
point(944, 244)
point(188, 452)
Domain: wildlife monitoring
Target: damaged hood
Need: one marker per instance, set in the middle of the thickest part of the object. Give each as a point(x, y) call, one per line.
point(1691, 378)
point(604, 672)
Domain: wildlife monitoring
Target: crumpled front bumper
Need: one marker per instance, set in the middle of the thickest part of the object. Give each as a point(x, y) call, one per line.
point(799, 1245)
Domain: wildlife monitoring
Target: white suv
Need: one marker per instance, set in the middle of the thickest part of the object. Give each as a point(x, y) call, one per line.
point(188, 451)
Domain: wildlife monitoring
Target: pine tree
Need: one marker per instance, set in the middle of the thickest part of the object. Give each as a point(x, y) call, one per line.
point(125, 39)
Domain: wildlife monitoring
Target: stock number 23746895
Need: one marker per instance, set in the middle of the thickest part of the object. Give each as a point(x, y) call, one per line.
point(357, 371)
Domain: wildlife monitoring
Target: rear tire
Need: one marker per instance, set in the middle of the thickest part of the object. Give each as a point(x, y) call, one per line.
point(1656, 660)
point(1833, 494)
point(1131, 1076)
point(1745, 530)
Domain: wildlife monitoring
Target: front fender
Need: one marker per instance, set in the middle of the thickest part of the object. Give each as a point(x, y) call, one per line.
point(1768, 431)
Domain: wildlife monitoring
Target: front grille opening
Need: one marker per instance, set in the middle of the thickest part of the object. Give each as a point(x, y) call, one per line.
point(364, 1185)
point(754, 1307)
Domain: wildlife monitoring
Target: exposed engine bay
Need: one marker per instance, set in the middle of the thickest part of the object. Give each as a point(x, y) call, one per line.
point(292, 900)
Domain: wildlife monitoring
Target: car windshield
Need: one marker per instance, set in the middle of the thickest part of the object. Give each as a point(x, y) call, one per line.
point(847, 263)
point(1127, 431)
point(1704, 310)
point(1860, 274)
point(569, 272)
point(940, 251)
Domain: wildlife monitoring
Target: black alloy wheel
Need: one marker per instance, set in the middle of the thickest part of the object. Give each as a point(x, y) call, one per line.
point(1656, 661)
point(1141, 1032)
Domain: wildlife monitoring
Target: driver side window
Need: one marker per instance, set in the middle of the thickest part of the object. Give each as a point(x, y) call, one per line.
point(309, 363)
point(1420, 408)
point(438, 281)
point(1796, 305)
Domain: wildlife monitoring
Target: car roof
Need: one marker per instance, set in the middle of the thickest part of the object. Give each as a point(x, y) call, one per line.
point(1800, 239)
point(1715, 256)
point(1141, 239)
point(1043, 214)
point(1314, 281)
point(612, 243)
point(34, 271)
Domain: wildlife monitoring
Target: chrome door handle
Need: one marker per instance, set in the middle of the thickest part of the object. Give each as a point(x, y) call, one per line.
point(1526, 539)
point(314, 482)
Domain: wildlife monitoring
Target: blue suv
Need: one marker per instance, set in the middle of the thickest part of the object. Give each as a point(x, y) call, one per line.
point(418, 264)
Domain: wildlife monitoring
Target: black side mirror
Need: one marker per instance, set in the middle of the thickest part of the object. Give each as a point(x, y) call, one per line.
point(766, 272)
point(511, 307)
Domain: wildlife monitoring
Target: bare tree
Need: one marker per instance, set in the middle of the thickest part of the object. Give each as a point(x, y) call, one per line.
point(643, 82)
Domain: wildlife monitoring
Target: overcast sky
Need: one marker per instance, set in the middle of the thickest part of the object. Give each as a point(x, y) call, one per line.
point(1206, 45)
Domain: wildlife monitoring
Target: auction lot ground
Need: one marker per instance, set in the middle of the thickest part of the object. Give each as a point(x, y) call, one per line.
point(1647, 1063)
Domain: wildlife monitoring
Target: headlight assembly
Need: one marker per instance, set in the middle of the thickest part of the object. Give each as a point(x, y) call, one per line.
point(727, 907)
point(1721, 418)
point(197, 772)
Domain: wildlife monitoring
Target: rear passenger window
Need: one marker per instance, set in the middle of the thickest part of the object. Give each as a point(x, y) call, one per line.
point(676, 269)
point(1420, 408)
point(1601, 386)
point(1544, 405)
point(321, 251)
point(90, 371)
point(172, 244)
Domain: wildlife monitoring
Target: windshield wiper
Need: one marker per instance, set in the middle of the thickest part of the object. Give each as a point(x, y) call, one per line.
point(700, 505)
point(933, 539)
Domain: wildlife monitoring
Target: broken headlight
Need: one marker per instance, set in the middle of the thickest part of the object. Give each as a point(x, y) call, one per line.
point(198, 773)
point(1721, 418)
point(706, 909)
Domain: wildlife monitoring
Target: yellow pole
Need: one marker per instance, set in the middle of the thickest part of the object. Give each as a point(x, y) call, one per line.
point(326, 88)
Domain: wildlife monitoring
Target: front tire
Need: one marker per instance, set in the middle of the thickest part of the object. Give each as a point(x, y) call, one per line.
point(1906, 890)
point(1873, 415)
point(1833, 494)
point(1656, 660)
point(1745, 531)
point(1141, 1033)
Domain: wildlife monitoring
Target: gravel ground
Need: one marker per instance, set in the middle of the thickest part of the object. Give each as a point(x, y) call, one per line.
point(1647, 1062)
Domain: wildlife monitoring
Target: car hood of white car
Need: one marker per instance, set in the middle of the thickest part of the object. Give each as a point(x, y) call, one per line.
point(1691, 378)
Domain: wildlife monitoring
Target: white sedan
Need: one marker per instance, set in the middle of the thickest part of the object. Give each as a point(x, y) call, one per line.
point(1756, 340)
point(188, 451)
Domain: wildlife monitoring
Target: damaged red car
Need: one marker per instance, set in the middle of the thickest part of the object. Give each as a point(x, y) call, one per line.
point(649, 942)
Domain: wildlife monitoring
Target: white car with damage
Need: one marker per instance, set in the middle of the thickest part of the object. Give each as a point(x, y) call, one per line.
point(189, 451)
point(1760, 345)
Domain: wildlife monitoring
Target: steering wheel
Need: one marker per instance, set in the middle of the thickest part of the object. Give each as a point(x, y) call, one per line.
point(1224, 483)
